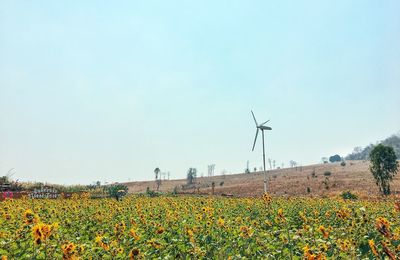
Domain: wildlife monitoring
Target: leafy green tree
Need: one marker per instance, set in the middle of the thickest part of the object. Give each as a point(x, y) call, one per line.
point(117, 191)
point(383, 166)
point(335, 158)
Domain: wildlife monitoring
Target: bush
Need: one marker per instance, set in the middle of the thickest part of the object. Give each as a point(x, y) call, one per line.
point(327, 173)
point(152, 193)
point(221, 183)
point(343, 163)
point(347, 195)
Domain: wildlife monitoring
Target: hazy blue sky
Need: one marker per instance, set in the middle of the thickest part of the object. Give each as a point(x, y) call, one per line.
point(109, 90)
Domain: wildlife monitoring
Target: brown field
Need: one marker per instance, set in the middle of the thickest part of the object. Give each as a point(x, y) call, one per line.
point(354, 177)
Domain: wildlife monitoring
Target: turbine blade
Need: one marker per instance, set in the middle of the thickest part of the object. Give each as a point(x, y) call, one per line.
point(265, 122)
point(254, 117)
point(255, 139)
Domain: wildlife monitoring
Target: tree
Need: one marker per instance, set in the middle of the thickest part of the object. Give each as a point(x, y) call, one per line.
point(270, 163)
point(157, 171)
point(335, 158)
point(292, 163)
point(117, 191)
point(158, 178)
point(191, 175)
point(383, 166)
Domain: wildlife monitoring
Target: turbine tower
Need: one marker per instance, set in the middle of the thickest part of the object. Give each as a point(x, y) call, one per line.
point(262, 128)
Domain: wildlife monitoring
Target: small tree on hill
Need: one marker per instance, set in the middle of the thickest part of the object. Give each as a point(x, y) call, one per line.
point(335, 158)
point(158, 177)
point(292, 163)
point(191, 175)
point(383, 166)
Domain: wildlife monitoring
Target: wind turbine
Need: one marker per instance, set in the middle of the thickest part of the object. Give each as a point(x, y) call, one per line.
point(262, 128)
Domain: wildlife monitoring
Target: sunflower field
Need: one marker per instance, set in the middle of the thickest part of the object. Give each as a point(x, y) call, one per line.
point(186, 227)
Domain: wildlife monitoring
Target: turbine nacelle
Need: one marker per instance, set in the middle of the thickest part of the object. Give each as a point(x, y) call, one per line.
point(261, 126)
point(265, 127)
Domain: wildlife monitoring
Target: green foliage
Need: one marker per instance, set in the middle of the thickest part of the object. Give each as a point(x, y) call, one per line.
point(343, 163)
point(10, 185)
point(383, 166)
point(30, 186)
point(335, 158)
point(152, 193)
point(347, 195)
point(169, 227)
point(117, 190)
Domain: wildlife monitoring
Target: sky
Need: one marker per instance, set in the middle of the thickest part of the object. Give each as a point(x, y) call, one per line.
point(109, 90)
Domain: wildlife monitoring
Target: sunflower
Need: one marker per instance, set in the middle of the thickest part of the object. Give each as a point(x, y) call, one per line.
point(323, 231)
point(134, 253)
point(38, 234)
point(371, 244)
point(383, 225)
point(103, 242)
point(246, 232)
point(160, 230)
point(119, 228)
point(133, 233)
point(69, 251)
point(30, 217)
point(221, 222)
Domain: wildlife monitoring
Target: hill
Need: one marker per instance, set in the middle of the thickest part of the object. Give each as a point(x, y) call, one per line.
point(363, 153)
point(320, 179)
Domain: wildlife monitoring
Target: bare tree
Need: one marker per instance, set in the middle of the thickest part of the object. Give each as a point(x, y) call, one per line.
point(292, 163)
point(211, 168)
point(270, 164)
point(191, 175)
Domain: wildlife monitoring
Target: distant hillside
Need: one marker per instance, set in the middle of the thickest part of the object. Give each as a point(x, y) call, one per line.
point(313, 180)
point(360, 153)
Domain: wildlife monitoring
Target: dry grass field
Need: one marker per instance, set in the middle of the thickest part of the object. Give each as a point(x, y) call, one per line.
point(355, 177)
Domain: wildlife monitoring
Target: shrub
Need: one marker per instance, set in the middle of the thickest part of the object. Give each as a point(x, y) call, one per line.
point(152, 193)
point(327, 173)
point(347, 195)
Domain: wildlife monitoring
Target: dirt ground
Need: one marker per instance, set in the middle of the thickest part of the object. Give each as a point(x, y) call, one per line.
point(312, 180)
